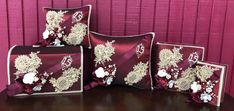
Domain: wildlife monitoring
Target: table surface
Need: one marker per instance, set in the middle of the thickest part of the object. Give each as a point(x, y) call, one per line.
point(110, 99)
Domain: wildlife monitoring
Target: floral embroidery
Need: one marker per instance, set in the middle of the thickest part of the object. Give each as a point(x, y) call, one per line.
point(78, 31)
point(186, 80)
point(68, 78)
point(77, 17)
point(66, 62)
point(204, 72)
point(169, 58)
point(205, 97)
point(139, 71)
point(53, 19)
point(195, 86)
point(105, 74)
point(140, 50)
point(25, 64)
point(103, 53)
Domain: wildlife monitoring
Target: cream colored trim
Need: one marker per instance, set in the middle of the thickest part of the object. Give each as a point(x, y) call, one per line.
point(123, 36)
point(221, 83)
point(90, 11)
point(151, 47)
point(8, 63)
point(192, 46)
point(82, 68)
point(150, 62)
point(49, 93)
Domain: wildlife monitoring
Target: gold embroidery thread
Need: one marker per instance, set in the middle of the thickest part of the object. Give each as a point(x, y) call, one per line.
point(68, 78)
point(139, 71)
point(103, 53)
point(169, 58)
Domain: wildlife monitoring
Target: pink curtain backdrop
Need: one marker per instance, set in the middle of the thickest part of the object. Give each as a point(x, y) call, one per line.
point(208, 23)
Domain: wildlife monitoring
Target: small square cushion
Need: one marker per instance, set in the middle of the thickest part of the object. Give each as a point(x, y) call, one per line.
point(67, 26)
point(122, 60)
point(45, 70)
point(172, 62)
point(206, 82)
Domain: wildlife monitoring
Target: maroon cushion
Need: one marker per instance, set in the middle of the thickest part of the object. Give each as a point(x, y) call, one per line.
point(67, 26)
point(207, 82)
point(45, 70)
point(172, 61)
point(122, 60)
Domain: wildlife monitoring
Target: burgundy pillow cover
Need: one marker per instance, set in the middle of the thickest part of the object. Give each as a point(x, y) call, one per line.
point(45, 70)
point(67, 26)
point(122, 60)
point(206, 82)
point(172, 62)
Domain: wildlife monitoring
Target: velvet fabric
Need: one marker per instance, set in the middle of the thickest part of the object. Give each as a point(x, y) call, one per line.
point(125, 57)
point(51, 58)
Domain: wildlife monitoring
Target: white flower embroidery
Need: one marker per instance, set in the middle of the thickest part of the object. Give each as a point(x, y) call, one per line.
point(78, 32)
point(169, 58)
point(37, 88)
point(25, 64)
point(57, 42)
point(100, 73)
point(103, 53)
point(68, 78)
point(29, 78)
point(205, 97)
point(46, 34)
point(139, 71)
point(54, 19)
point(204, 72)
point(171, 83)
point(109, 80)
point(195, 87)
point(163, 73)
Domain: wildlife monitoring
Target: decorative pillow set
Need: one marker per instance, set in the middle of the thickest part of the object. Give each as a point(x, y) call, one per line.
point(115, 60)
point(179, 69)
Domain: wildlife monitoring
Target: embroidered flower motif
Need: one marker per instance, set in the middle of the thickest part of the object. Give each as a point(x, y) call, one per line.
point(29, 78)
point(140, 50)
point(163, 73)
point(101, 73)
point(105, 74)
point(109, 80)
point(103, 53)
point(139, 71)
point(204, 72)
point(171, 83)
point(37, 88)
point(205, 97)
point(195, 87)
point(169, 58)
point(46, 34)
point(53, 19)
point(68, 78)
point(78, 31)
point(25, 64)
point(186, 80)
